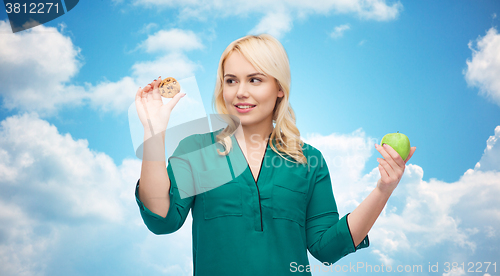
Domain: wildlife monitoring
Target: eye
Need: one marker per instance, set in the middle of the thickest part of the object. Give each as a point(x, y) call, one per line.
point(229, 81)
point(257, 79)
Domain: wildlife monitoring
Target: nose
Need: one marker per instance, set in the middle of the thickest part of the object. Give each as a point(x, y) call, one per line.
point(242, 91)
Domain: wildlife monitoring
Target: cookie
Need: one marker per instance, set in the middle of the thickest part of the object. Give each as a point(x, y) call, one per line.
point(169, 87)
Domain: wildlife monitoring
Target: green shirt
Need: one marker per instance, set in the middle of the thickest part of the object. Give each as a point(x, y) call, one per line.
point(248, 227)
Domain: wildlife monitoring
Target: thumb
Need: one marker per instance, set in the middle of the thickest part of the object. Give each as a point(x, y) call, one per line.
point(175, 100)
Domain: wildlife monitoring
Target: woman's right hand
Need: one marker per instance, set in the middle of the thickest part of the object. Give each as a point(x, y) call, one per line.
point(150, 107)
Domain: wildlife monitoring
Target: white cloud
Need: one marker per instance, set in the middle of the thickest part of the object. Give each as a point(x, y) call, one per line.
point(346, 156)
point(277, 16)
point(36, 66)
point(491, 156)
point(19, 244)
point(338, 31)
point(366, 9)
point(483, 70)
point(86, 181)
point(173, 64)
point(455, 272)
point(435, 212)
point(273, 23)
point(64, 206)
point(173, 40)
point(113, 96)
point(148, 27)
point(118, 96)
point(47, 88)
point(378, 10)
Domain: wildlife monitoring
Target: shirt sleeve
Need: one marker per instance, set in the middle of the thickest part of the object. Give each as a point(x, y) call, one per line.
point(179, 207)
point(328, 237)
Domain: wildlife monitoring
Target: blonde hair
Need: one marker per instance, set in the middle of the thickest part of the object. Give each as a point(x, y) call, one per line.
point(268, 56)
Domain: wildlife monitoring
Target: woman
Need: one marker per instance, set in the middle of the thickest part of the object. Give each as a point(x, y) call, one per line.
point(263, 221)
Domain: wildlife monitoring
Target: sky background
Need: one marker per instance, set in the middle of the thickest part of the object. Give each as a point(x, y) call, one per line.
point(360, 69)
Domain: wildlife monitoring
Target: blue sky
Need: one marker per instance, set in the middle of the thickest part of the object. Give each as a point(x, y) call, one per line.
point(361, 69)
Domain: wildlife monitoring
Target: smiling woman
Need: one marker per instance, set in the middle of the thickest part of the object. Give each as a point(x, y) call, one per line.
point(265, 219)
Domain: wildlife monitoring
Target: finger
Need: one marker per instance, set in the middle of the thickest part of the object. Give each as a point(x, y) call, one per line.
point(175, 100)
point(138, 94)
point(156, 90)
point(150, 92)
point(412, 150)
point(153, 84)
point(388, 169)
point(395, 156)
point(138, 99)
point(147, 88)
point(386, 156)
point(145, 92)
point(383, 172)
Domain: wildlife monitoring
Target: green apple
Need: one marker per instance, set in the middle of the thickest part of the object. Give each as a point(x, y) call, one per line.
point(399, 142)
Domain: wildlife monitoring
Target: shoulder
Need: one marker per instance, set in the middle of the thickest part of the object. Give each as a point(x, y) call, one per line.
point(309, 151)
point(314, 157)
point(206, 139)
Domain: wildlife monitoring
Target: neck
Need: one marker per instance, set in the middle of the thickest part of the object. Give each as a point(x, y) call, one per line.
point(254, 134)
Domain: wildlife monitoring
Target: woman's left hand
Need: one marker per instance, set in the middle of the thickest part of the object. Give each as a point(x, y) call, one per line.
point(391, 167)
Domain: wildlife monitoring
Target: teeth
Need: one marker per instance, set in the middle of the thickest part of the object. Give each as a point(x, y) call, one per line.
point(244, 106)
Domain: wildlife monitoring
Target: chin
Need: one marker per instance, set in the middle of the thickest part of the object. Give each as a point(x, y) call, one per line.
point(244, 121)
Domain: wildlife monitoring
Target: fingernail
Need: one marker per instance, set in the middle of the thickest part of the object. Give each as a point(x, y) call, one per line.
point(384, 145)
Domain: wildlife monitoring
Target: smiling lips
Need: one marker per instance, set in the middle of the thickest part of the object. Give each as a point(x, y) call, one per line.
point(244, 107)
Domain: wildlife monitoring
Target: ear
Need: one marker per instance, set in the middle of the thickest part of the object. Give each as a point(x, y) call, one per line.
point(280, 90)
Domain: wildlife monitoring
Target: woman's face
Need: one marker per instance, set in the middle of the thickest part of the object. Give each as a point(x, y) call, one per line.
point(244, 86)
